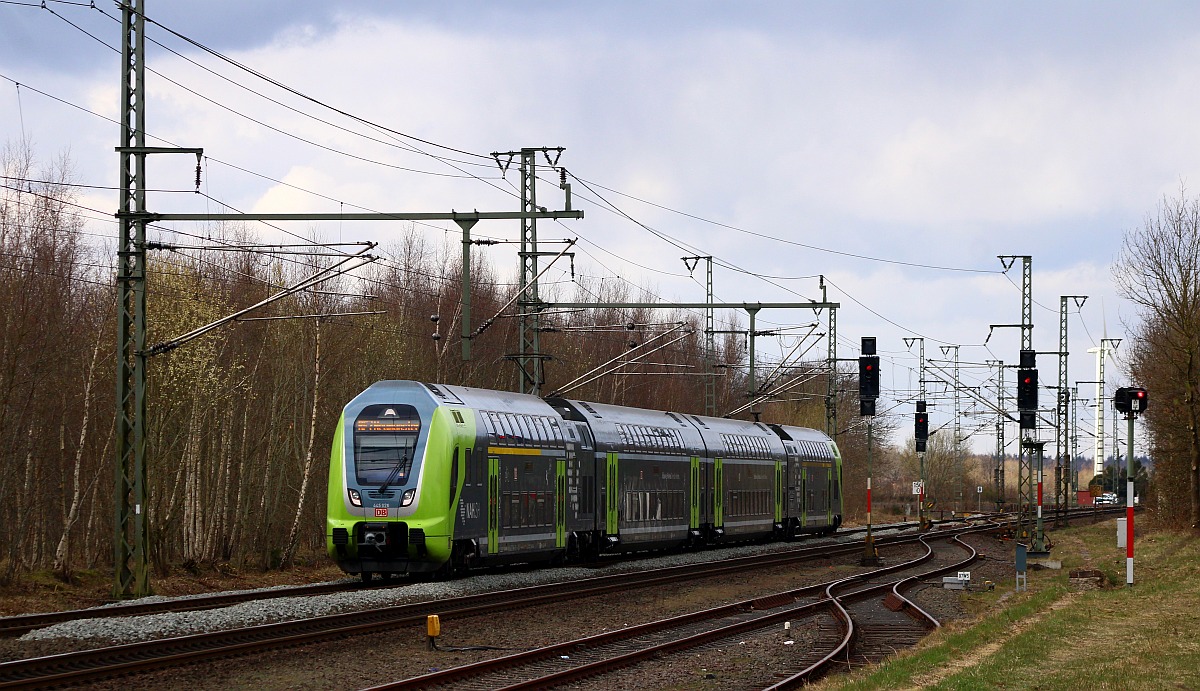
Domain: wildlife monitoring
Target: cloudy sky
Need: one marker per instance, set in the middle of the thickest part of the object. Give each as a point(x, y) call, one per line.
point(894, 147)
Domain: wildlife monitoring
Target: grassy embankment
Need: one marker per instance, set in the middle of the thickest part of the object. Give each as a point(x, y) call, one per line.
point(1054, 637)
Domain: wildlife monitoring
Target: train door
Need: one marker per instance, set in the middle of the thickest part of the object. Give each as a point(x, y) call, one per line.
point(493, 502)
point(807, 499)
point(829, 497)
point(818, 507)
point(612, 496)
point(718, 494)
point(560, 503)
point(694, 496)
point(780, 491)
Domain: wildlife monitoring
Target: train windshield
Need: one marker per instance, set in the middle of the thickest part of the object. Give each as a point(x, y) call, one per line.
point(385, 443)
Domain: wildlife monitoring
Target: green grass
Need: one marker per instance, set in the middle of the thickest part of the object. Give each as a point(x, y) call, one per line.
point(1053, 637)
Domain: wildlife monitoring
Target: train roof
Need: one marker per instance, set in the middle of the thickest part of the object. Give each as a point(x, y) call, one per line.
point(425, 394)
point(488, 399)
point(616, 427)
point(801, 433)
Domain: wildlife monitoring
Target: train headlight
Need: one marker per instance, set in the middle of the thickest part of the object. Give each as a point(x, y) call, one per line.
point(355, 497)
point(409, 495)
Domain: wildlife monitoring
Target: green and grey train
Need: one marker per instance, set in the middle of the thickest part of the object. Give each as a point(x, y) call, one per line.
point(433, 478)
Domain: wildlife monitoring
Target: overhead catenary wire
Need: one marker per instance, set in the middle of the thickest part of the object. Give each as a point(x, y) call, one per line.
point(587, 378)
point(318, 277)
point(782, 240)
point(851, 298)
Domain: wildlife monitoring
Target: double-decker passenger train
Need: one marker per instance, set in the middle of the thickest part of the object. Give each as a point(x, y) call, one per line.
point(432, 478)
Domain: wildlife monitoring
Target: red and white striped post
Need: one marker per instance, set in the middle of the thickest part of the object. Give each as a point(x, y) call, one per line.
point(1129, 506)
point(1039, 491)
point(1039, 533)
point(870, 554)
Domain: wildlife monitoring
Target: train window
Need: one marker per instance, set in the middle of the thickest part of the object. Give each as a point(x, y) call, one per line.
point(509, 426)
point(385, 443)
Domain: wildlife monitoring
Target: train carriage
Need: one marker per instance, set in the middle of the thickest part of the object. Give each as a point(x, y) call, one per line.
point(652, 475)
point(814, 473)
point(746, 458)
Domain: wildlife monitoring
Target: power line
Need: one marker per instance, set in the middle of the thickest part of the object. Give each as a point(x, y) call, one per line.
point(785, 241)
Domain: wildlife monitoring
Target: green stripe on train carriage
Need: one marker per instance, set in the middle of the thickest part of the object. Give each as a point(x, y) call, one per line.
point(560, 504)
point(612, 495)
point(493, 505)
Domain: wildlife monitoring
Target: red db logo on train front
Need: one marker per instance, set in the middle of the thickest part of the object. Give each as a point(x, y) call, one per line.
point(380, 512)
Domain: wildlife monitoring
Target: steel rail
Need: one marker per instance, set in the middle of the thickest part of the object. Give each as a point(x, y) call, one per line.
point(99, 663)
point(808, 674)
point(782, 602)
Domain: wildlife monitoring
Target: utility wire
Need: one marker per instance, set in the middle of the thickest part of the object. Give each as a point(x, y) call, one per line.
point(782, 240)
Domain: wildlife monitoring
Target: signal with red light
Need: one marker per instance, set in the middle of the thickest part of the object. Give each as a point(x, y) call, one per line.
point(1027, 389)
point(868, 376)
point(1131, 400)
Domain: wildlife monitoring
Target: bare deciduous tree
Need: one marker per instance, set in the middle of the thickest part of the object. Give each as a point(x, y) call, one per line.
point(1159, 271)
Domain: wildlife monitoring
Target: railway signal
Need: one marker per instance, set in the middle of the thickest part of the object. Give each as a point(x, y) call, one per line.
point(1027, 389)
point(868, 376)
point(1027, 383)
point(1131, 400)
point(921, 429)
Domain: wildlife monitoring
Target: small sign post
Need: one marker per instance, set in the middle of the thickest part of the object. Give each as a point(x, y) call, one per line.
point(1022, 578)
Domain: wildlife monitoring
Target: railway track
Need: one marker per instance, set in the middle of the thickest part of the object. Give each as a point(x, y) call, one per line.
point(86, 666)
point(832, 609)
point(100, 663)
point(23, 623)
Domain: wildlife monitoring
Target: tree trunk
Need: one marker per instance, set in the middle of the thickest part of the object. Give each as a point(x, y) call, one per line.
point(15, 557)
point(289, 551)
point(61, 556)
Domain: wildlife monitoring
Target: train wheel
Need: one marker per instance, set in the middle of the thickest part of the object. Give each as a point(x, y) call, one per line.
point(366, 576)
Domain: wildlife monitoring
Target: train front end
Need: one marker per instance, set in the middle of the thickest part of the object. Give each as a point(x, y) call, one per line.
point(391, 481)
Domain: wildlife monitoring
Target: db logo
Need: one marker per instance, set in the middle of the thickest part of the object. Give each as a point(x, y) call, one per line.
point(381, 512)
